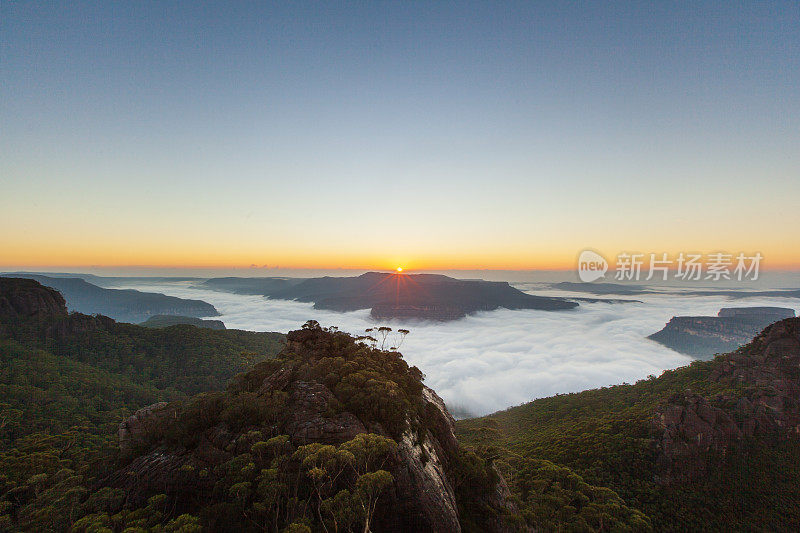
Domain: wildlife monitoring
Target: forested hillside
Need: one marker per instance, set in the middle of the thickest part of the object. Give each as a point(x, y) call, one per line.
point(164, 321)
point(66, 382)
point(711, 446)
point(330, 435)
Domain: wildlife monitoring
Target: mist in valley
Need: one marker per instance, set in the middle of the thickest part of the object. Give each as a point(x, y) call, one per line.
point(493, 360)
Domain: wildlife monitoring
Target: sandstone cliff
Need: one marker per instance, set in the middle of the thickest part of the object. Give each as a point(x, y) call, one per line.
point(704, 336)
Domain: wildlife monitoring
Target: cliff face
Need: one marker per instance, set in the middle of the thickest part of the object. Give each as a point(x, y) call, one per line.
point(690, 426)
point(25, 298)
point(704, 336)
point(28, 304)
point(321, 393)
point(421, 499)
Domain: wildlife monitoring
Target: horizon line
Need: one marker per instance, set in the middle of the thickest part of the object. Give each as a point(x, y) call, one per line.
point(406, 270)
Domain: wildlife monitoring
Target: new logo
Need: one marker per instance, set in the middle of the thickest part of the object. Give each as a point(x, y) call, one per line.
point(591, 266)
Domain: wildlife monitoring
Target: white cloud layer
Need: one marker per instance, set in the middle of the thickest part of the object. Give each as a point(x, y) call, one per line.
point(493, 360)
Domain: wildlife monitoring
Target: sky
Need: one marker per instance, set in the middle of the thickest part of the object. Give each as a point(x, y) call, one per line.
point(429, 135)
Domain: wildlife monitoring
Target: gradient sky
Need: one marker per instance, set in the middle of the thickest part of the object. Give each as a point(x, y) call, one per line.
point(375, 134)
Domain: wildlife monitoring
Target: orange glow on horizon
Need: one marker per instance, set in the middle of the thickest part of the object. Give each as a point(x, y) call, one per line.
point(116, 255)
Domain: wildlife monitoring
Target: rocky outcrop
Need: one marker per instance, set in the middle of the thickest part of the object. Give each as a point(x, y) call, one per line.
point(27, 303)
point(134, 430)
point(421, 468)
point(691, 426)
point(422, 499)
point(309, 417)
point(166, 471)
point(704, 336)
point(423, 465)
point(770, 314)
point(25, 298)
point(77, 323)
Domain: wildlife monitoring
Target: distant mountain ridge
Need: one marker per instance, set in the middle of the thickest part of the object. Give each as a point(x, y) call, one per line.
point(393, 295)
point(704, 336)
point(602, 288)
point(30, 311)
point(124, 305)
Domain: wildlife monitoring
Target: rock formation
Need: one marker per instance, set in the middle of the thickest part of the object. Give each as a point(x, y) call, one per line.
point(25, 298)
point(704, 336)
point(134, 429)
point(422, 496)
point(690, 426)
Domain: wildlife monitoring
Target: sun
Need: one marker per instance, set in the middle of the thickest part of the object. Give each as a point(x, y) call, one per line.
point(399, 269)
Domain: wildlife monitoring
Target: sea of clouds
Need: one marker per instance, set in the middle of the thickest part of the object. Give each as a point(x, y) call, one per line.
point(493, 360)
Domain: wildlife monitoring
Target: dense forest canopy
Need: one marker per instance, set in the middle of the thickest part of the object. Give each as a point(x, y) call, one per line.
point(66, 383)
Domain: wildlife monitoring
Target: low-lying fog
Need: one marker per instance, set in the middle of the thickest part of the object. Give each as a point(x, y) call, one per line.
point(493, 360)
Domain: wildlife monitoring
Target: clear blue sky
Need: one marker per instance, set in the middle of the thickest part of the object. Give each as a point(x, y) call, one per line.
point(429, 134)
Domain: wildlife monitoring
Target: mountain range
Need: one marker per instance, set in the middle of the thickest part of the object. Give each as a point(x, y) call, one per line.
point(395, 295)
point(602, 288)
point(126, 305)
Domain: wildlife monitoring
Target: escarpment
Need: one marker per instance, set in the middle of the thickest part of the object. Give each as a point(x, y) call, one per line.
point(704, 336)
point(29, 306)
